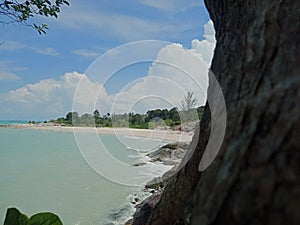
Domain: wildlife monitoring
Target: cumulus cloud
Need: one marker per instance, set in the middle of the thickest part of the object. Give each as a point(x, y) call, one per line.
point(8, 76)
point(144, 94)
point(204, 49)
point(48, 98)
point(175, 71)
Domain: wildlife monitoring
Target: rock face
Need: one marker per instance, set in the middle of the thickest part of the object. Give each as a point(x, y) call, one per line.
point(255, 177)
point(145, 209)
point(170, 154)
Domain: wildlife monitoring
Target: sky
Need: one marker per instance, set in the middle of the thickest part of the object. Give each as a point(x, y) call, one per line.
point(40, 74)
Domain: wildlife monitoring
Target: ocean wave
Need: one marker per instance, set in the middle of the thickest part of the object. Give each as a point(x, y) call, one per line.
point(150, 170)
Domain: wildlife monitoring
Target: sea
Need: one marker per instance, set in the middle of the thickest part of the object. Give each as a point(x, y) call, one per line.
point(43, 171)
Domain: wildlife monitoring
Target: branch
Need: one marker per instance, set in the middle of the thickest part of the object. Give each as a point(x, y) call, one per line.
point(15, 12)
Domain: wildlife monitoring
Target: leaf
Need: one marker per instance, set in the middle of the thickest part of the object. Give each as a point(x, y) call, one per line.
point(66, 2)
point(45, 218)
point(15, 217)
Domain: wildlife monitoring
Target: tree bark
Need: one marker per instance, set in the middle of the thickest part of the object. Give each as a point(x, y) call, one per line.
point(255, 177)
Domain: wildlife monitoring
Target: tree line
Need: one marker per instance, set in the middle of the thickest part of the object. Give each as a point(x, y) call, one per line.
point(152, 119)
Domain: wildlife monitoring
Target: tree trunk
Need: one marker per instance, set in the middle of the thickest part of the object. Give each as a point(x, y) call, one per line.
point(255, 178)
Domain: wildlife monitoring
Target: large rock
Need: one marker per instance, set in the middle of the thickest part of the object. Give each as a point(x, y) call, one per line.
point(169, 154)
point(155, 183)
point(255, 178)
point(144, 209)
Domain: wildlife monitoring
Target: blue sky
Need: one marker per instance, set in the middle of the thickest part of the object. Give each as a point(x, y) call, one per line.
point(84, 31)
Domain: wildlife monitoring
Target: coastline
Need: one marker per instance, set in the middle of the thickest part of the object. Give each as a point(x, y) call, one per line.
point(143, 200)
point(170, 135)
point(147, 194)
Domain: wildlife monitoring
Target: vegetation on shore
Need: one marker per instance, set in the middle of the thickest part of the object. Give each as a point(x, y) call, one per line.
point(152, 119)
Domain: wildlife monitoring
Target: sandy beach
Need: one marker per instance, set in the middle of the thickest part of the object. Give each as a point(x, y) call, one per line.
point(170, 135)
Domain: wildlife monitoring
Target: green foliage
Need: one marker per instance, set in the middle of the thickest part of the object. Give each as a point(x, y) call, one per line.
point(152, 119)
point(163, 114)
point(200, 111)
point(96, 114)
point(85, 120)
point(15, 217)
point(20, 12)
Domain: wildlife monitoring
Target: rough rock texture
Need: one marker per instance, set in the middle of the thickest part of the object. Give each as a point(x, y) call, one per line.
point(145, 209)
point(255, 177)
point(169, 154)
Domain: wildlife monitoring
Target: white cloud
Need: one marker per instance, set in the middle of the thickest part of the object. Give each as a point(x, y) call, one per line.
point(204, 49)
point(162, 5)
point(121, 26)
point(46, 51)
point(170, 5)
point(8, 76)
point(175, 71)
point(124, 27)
point(11, 66)
point(48, 98)
point(7, 71)
point(85, 53)
point(12, 46)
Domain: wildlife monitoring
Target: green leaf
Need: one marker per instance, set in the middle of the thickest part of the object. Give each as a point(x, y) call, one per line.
point(15, 217)
point(45, 218)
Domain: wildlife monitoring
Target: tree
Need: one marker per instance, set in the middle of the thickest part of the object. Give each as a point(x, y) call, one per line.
point(189, 101)
point(97, 118)
point(21, 12)
point(96, 114)
point(135, 120)
point(87, 120)
point(72, 118)
point(255, 177)
point(174, 115)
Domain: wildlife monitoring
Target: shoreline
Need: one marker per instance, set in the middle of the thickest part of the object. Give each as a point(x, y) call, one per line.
point(142, 196)
point(170, 135)
point(141, 201)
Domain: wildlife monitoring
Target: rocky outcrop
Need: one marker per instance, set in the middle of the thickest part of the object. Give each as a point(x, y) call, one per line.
point(145, 209)
point(255, 178)
point(169, 154)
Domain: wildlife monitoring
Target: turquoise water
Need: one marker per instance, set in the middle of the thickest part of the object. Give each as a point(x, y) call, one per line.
point(44, 171)
point(9, 122)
